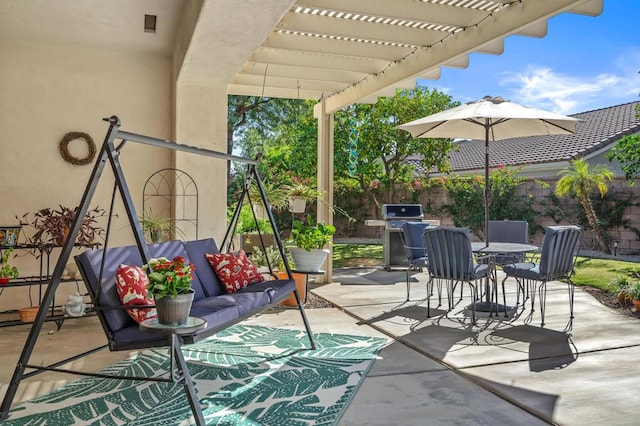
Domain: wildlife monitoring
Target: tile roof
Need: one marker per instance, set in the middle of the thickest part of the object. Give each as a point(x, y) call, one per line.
point(597, 129)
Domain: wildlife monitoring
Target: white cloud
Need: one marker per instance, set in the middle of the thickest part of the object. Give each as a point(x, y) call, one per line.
point(544, 88)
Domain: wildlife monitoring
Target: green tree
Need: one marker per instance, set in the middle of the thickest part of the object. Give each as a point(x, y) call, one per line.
point(284, 132)
point(244, 113)
point(581, 179)
point(381, 167)
point(627, 152)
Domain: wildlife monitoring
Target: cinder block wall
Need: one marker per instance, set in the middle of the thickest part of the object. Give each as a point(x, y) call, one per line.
point(628, 239)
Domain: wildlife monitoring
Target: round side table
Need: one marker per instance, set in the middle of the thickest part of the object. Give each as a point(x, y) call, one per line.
point(192, 325)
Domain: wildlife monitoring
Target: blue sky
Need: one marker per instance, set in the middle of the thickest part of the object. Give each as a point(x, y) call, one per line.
point(583, 63)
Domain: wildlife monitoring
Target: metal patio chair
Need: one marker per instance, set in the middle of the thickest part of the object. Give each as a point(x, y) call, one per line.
point(557, 260)
point(414, 248)
point(509, 231)
point(451, 260)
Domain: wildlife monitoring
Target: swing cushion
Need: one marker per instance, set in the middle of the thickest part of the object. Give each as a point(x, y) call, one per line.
point(234, 270)
point(131, 284)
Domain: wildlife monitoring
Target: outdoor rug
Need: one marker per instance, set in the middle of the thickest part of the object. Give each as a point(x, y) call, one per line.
point(245, 375)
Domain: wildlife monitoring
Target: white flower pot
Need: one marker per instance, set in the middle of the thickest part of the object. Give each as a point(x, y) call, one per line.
point(308, 261)
point(297, 204)
point(260, 211)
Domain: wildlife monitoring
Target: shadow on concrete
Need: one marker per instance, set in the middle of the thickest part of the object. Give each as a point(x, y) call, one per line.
point(540, 403)
point(411, 313)
point(548, 349)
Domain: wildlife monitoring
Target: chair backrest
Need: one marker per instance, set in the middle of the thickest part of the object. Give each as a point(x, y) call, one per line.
point(449, 251)
point(509, 231)
point(559, 250)
point(412, 240)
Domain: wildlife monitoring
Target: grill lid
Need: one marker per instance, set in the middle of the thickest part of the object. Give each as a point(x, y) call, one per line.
point(401, 211)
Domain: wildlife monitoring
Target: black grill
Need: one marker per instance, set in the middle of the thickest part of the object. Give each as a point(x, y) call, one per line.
point(394, 215)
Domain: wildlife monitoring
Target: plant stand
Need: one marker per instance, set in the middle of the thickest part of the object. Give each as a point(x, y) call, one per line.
point(191, 326)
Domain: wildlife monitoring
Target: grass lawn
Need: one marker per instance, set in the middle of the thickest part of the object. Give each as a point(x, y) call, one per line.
point(600, 272)
point(356, 254)
point(590, 272)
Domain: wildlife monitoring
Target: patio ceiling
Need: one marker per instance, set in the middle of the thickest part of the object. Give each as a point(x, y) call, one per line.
point(343, 51)
point(353, 51)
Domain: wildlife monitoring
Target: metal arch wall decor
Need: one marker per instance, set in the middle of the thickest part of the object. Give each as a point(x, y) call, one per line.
point(176, 188)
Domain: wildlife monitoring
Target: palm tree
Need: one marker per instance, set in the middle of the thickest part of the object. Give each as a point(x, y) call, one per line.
point(580, 179)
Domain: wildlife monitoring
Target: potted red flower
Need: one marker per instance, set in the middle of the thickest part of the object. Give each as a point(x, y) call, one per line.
point(170, 286)
point(7, 271)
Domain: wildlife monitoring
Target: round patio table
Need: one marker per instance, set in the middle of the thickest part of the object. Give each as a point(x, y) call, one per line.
point(497, 248)
point(502, 248)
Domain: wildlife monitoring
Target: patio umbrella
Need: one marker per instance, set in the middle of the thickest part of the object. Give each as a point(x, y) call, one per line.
point(490, 119)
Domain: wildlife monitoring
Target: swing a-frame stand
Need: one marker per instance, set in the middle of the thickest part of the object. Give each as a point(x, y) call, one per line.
point(109, 155)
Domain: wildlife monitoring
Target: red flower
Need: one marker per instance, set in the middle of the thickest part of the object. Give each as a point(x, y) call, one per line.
point(169, 276)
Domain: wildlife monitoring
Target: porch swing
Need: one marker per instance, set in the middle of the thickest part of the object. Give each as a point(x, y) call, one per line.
point(98, 268)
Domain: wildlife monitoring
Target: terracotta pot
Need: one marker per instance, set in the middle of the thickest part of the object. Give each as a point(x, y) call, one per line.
point(636, 304)
point(301, 285)
point(28, 314)
point(625, 299)
point(174, 311)
point(4, 280)
point(61, 239)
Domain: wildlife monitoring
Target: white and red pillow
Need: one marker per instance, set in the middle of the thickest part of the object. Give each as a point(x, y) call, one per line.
point(234, 270)
point(131, 284)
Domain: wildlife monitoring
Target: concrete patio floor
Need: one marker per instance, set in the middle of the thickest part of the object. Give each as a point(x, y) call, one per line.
point(437, 370)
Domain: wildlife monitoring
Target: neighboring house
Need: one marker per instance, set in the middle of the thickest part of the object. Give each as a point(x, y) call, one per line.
point(544, 156)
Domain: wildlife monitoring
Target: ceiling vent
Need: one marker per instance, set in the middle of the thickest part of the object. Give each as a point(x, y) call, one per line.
point(150, 23)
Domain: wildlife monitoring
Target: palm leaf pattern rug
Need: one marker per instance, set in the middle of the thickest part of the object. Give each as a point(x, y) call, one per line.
point(245, 375)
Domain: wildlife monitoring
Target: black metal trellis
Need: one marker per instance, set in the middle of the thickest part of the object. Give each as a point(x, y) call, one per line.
point(178, 190)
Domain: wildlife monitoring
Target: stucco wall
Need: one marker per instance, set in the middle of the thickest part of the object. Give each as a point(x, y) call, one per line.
point(46, 92)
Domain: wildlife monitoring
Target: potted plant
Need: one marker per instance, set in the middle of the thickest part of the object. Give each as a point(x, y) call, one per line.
point(263, 259)
point(53, 225)
point(276, 194)
point(301, 191)
point(7, 272)
point(259, 259)
point(298, 195)
point(170, 286)
point(156, 227)
point(634, 291)
point(623, 286)
point(310, 240)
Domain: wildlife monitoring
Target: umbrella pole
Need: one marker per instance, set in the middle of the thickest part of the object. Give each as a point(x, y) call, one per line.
point(486, 183)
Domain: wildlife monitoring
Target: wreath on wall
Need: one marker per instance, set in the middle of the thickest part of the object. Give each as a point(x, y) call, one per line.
point(68, 157)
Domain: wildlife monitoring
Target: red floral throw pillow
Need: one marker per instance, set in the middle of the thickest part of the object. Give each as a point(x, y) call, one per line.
point(234, 270)
point(131, 283)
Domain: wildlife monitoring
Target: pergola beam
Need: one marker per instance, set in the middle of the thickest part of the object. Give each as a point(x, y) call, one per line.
point(506, 22)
